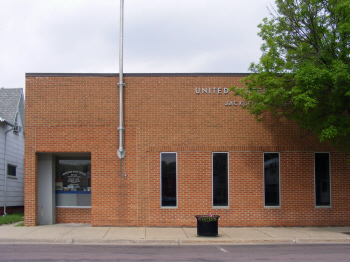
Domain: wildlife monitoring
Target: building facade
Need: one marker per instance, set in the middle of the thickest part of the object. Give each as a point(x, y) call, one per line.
point(11, 150)
point(190, 150)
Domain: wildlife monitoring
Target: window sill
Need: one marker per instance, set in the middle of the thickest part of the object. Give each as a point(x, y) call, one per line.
point(12, 177)
point(323, 207)
point(221, 207)
point(272, 207)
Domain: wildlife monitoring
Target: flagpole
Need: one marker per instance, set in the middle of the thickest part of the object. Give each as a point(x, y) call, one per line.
point(121, 84)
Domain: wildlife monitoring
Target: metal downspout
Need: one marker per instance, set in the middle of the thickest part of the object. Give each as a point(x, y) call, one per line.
point(121, 150)
point(5, 173)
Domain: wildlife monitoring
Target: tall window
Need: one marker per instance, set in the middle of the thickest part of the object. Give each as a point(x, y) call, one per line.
point(272, 179)
point(73, 182)
point(220, 179)
point(322, 179)
point(168, 179)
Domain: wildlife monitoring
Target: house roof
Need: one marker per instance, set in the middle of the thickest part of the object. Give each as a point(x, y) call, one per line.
point(10, 99)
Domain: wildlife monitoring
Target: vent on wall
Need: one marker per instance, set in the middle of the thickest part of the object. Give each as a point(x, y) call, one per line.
point(16, 129)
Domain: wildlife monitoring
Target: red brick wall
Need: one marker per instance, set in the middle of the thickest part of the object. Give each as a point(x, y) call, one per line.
point(164, 114)
point(30, 182)
point(73, 215)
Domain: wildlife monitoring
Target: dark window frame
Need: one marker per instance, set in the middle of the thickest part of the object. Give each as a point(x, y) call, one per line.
point(162, 178)
point(279, 181)
point(10, 169)
point(217, 205)
point(322, 185)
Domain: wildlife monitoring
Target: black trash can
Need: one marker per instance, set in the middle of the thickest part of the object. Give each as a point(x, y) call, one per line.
point(207, 225)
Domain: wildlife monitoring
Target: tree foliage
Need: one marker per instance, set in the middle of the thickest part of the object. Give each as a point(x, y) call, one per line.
point(304, 73)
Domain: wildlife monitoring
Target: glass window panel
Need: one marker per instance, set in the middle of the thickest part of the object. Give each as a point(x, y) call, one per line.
point(220, 179)
point(11, 170)
point(168, 179)
point(271, 179)
point(322, 179)
point(73, 182)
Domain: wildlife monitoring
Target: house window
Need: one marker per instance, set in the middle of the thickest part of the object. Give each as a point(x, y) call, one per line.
point(220, 179)
point(73, 182)
point(271, 179)
point(11, 170)
point(168, 180)
point(322, 179)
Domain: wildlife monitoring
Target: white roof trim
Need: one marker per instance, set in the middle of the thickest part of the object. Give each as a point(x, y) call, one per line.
point(4, 120)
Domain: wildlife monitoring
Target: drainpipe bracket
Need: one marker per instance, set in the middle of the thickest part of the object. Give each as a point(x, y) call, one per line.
point(121, 128)
point(119, 84)
point(121, 153)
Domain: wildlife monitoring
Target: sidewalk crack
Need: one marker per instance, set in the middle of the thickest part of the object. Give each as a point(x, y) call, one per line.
point(263, 232)
point(185, 232)
point(30, 232)
point(106, 232)
point(67, 232)
point(221, 231)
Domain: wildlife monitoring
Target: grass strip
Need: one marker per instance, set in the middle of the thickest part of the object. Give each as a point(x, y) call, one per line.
point(11, 218)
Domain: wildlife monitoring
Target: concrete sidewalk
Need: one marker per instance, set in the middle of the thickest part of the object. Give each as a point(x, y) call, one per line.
point(86, 234)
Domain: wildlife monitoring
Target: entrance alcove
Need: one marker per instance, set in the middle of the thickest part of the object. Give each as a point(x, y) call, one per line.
point(68, 186)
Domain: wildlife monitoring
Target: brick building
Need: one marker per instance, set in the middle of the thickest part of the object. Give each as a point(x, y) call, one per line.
point(190, 149)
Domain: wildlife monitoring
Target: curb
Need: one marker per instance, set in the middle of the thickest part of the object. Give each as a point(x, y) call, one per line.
point(173, 242)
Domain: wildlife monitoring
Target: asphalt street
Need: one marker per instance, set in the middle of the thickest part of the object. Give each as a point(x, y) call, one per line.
point(203, 253)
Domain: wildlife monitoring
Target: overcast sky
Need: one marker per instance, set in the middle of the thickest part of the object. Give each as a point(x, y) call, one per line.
point(160, 36)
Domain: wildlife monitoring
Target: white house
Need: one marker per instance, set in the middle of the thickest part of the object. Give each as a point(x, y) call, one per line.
point(11, 150)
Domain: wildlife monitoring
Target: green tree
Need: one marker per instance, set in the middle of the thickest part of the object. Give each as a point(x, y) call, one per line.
point(304, 71)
